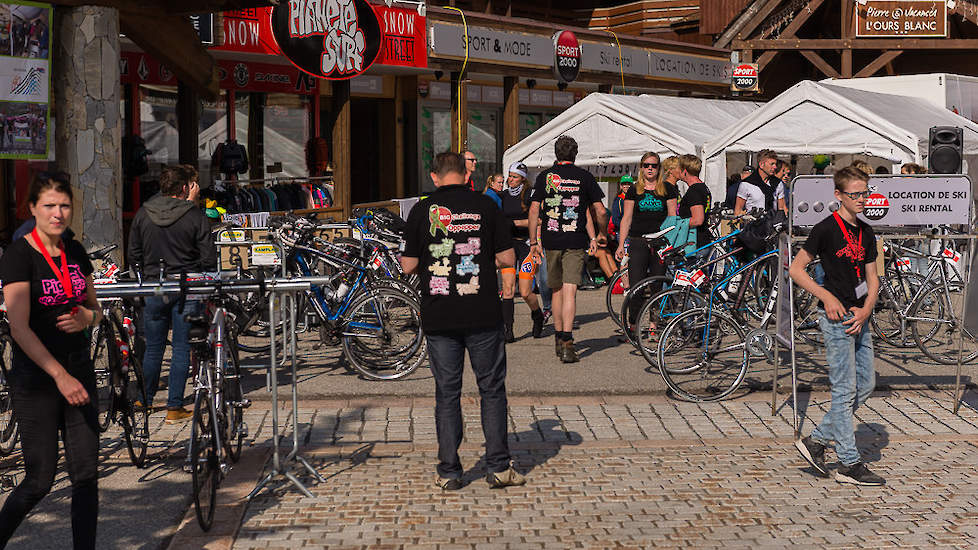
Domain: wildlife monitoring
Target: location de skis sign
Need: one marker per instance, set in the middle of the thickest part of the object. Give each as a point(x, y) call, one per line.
point(330, 39)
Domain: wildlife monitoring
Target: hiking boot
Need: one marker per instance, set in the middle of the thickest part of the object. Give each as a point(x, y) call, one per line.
point(567, 352)
point(858, 474)
point(509, 337)
point(814, 454)
point(507, 478)
point(557, 346)
point(448, 483)
point(547, 314)
point(537, 324)
point(177, 415)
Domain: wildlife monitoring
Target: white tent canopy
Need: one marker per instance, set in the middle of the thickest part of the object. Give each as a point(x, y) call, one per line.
point(812, 118)
point(613, 131)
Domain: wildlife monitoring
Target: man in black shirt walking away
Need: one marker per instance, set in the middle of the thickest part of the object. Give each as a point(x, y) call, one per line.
point(560, 202)
point(454, 240)
point(847, 248)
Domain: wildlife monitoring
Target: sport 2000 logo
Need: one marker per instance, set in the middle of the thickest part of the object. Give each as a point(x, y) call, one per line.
point(876, 207)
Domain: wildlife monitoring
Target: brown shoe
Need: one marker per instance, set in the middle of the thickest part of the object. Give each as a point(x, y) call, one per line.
point(178, 415)
point(508, 478)
point(567, 353)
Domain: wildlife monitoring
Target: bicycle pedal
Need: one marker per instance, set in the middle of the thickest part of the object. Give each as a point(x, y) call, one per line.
point(243, 430)
point(244, 403)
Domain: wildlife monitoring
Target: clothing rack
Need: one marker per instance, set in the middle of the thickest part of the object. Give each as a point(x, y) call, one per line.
point(269, 182)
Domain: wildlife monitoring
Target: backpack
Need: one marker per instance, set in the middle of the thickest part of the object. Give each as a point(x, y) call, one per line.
point(135, 157)
point(317, 156)
point(233, 158)
point(756, 235)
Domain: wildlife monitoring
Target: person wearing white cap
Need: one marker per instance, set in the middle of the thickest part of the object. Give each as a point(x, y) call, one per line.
point(516, 206)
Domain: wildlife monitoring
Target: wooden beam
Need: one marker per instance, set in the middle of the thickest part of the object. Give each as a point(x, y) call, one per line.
point(174, 42)
point(857, 44)
point(511, 111)
point(820, 63)
point(341, 145)
point(758, 18)
point(801, 18)
point(766, 58)
point(883, 60)
point(171, 7)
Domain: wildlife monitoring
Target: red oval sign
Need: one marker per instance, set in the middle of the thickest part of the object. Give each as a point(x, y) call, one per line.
point(745, 78)
point(567, 56)
point(876, 207)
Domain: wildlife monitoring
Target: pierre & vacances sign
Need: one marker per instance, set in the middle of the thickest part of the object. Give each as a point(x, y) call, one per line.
point(901, 18)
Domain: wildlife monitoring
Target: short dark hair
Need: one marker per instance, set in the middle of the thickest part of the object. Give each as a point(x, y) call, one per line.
point(566, 149)
point(186, 172)
point(42, 181)
point(766, 154)
point(448, 162)
point(848, 174)
point(171, 182)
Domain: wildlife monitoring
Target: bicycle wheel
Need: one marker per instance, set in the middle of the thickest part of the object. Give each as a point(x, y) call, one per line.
point(759, 286)
point(233, 401)
point(105, 356)
point(382, 336)
point(656, 314)
point(888, 321)
point(613, 301)
point(638, 294)
point(935, 325)
point(702, 355)
point(250, 314)
point(135, 421)
point(8, 426)
point(205, 469)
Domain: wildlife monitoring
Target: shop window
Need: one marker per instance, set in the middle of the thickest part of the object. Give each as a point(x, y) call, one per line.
point(286, 132)
point(158, 127)
point(212, 130)
point(483, 136)
point(435, 136)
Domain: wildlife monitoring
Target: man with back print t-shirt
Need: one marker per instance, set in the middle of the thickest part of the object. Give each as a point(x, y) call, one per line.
point(562, 197)
point(454, 240)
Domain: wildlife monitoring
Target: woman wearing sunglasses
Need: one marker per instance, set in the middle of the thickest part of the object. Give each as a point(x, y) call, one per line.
point(51, 305)
point(647, 205)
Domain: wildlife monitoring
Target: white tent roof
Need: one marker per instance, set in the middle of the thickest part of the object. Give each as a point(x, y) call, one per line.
point(812, 118)
point(618, 130)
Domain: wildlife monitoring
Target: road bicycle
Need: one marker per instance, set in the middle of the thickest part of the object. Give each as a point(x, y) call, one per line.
point(8, 426)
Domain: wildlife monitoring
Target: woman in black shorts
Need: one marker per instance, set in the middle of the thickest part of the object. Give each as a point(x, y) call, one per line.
point(51, 305)
point(516, 206)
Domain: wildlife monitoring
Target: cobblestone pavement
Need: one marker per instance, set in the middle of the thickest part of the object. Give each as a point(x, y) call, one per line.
point(627, 472)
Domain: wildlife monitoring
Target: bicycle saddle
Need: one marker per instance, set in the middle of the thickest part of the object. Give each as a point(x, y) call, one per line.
point(659, 233)
point(100, 253)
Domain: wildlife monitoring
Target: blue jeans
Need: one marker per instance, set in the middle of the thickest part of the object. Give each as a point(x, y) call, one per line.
point(487, 353)
point(158, 316)
point(852, 378)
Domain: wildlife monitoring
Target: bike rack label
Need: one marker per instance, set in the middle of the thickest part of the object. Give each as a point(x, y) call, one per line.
point(265, 254)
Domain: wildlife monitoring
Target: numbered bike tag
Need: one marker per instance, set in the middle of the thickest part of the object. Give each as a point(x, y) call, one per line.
point(681, 279)
point(664, 251)
point(951, 256)
point(697, 277)
point(903, 264)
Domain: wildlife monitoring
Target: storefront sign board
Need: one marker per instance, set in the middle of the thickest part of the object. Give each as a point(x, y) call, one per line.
point(141, 68)
point(25, 80)
point(248, 31)
point(901, 19)
point(605, 57)
point(404, 40)
point(688, 68)
point(485, 44)
point(567, 56)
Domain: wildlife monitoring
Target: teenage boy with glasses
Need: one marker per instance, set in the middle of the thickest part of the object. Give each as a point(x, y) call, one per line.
point(847, 248)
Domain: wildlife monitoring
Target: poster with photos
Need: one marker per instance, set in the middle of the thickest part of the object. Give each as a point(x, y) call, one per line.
point(25, 80)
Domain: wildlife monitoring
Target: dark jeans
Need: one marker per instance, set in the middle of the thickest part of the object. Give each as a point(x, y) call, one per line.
point(642, 262)
point(42, 413)
point(487, 353)
point(158, 316)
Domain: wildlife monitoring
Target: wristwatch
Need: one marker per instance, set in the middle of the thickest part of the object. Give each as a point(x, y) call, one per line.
point(94, 320)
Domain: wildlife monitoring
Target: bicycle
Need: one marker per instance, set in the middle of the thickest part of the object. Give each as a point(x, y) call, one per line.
point(8, 424)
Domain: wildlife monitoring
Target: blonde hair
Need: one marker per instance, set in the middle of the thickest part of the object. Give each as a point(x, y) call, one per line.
point(863, 165)
point(691, 164)
point(667, 165)
point(640, 183)
point(489, 181)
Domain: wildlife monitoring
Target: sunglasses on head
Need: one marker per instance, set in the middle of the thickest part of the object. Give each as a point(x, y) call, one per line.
point(650, 165)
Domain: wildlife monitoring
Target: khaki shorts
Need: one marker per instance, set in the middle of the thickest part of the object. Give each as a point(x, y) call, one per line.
point(565, 267)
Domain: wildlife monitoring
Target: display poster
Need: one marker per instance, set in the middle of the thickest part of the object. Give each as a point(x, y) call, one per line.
point(25, 80)
point(901, 19)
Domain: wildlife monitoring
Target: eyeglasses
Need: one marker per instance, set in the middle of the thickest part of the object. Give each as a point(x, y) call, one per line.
point(858, 194)
point(649, 165)
point(471, 160)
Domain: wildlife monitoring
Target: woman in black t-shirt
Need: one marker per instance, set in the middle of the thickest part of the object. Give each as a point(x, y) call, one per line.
point(516, 206)
point(647, 204)
point(47, 287)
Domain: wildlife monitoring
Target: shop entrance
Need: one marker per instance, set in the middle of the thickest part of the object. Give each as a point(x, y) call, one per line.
point(372, 170)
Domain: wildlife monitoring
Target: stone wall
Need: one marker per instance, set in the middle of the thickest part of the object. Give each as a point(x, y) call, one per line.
point(88, 121)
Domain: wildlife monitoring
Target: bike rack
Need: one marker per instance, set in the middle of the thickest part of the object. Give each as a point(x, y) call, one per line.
point(786, 334)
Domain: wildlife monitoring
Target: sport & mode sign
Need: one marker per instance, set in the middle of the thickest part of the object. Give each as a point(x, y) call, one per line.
point(895, 200)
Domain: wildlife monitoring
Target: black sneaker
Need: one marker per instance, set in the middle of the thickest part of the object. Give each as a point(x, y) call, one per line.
point(537, 324)
point(568, 354)
point(510, 337)
point(547, 314)
point(858, 474)
point(448, 483)
point(814, 454)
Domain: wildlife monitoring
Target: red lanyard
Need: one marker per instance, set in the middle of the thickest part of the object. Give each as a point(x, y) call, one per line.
point(853, 246)
point(63, 276)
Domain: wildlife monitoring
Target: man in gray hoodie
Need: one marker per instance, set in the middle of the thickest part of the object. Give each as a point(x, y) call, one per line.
point(170, 231)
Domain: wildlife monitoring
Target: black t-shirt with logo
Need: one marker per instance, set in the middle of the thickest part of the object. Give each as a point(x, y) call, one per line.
point(21, 263)
point(649, 211)
point(565, 192)
point(514, 209)
point(839, 259)
point(455, 234)
point(698, 194)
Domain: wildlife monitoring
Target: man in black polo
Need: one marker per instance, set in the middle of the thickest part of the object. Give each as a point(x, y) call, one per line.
point(454, 240)
point(758, 189)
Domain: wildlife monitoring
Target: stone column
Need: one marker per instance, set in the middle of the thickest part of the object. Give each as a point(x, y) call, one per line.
point(87, 140)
